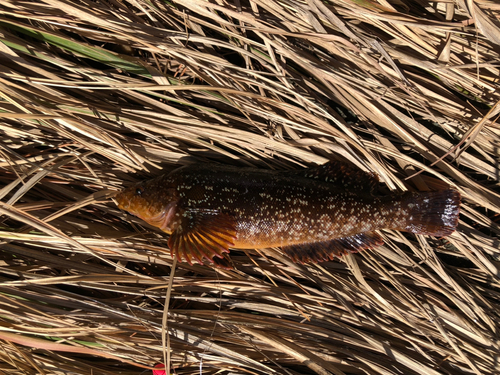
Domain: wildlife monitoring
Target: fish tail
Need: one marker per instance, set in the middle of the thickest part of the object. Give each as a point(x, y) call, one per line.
point(434, 213)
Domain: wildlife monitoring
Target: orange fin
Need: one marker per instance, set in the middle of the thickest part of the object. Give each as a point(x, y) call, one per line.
point(327, 250)
point(341, 174)
point(202, 234)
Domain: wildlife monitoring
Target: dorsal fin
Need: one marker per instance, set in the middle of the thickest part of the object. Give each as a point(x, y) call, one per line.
point(327, 250)
point(342, 175)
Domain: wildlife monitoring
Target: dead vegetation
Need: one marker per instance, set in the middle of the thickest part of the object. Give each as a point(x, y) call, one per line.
point(97, 94)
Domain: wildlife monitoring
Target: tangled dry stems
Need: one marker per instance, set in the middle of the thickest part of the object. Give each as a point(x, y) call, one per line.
point(96, 95)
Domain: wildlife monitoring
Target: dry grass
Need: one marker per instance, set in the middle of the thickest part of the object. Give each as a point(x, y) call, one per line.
point(97, 94)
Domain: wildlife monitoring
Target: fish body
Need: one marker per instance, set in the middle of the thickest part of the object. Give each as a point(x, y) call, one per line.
point(313, 214)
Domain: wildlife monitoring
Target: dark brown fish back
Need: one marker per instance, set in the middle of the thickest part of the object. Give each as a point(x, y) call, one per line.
point(340, 174)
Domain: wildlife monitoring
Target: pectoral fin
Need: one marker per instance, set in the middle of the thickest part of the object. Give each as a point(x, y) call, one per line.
point(202, 234)
point(327, 250)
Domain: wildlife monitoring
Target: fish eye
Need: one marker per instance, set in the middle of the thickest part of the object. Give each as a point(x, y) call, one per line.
point(139, 191)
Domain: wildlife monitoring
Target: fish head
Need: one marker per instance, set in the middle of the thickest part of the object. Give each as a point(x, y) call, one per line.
point(153, 201)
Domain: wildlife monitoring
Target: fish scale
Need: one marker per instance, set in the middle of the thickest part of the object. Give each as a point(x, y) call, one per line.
point(314, 214)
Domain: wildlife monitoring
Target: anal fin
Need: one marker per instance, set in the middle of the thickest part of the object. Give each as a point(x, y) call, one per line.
point(327, 250)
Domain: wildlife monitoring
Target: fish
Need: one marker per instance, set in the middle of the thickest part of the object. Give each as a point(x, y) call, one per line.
point(315, 214)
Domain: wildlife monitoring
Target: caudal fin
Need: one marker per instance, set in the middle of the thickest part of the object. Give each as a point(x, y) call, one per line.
point(434, 213)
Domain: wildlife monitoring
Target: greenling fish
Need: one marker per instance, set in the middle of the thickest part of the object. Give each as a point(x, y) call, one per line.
point(314, 214)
